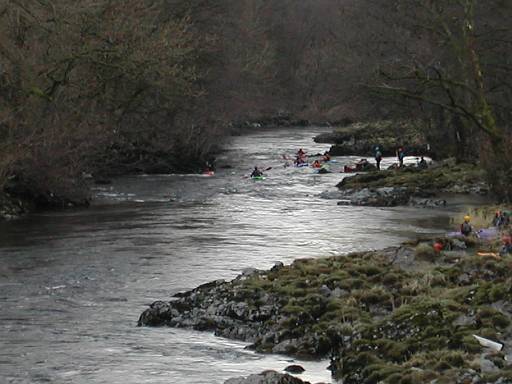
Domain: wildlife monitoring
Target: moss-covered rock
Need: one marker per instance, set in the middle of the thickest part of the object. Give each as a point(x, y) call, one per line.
point(445, 177)
point(378, 322)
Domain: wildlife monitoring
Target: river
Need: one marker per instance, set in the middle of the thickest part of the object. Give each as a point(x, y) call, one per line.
point(73, 283)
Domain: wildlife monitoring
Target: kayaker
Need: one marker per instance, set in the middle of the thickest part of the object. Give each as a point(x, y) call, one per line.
point(301, 153)
point(316, 164)
point(256, 172)
point(208, 167)
point(361, 165)
point(465, 228)
point(299, 160)
point(326, 157)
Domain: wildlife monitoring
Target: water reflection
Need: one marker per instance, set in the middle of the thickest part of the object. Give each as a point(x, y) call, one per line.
point(73, 283)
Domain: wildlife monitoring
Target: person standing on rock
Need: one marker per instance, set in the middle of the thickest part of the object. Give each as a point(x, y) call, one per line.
point(378, 157)
point(400, 154)
point(465, 228)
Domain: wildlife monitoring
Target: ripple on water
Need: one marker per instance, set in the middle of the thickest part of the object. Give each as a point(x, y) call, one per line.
point(74, 282)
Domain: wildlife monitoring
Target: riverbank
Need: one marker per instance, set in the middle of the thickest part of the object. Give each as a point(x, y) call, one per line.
point(360, 139)
point(406, 312)
point(412, 185)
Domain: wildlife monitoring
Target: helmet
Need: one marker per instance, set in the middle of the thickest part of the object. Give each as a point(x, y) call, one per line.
point(467, 218)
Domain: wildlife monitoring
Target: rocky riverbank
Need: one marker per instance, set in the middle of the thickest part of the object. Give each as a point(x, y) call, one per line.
point(406, 313)
point(11, 208)
point(19, 197)
point(360, 139)
point(267, 377)
point(412, 185)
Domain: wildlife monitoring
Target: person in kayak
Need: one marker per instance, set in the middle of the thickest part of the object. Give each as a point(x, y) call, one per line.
point(300, 160)
point(256, 172)
point(326, 157)
point(316, 164)
point(208, 167)
point(465, 228)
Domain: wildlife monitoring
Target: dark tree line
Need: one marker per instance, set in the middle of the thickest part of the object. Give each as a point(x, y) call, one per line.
point(101, 85)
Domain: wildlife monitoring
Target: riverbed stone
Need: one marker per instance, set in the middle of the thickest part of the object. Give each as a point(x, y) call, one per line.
point(267, 377)
point(295, 369)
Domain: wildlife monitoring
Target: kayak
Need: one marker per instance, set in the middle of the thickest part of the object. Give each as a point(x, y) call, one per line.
point(489, 254)
point(485, 233)
point(209, 173)
point(258, 177)
point(302, 165)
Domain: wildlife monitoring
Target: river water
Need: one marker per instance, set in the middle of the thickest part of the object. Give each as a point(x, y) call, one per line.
point(73, 283)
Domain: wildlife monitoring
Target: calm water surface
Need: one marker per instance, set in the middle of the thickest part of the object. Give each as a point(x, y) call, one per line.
point(72, 284)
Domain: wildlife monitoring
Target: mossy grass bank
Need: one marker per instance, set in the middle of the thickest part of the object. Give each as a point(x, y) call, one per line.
point(399, 315)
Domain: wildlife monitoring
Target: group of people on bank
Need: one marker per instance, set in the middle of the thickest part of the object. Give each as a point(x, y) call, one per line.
point(400, 156)
point(301, 159)
point(500, 221)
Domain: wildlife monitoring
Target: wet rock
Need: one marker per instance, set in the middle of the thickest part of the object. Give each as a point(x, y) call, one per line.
point(277, 266)
point(286, 347)
point(427, 203)
point(331, 195)
point(11, 208)
point(379, 197)
point(295, 369)
point(249, 271)
point(267, 377)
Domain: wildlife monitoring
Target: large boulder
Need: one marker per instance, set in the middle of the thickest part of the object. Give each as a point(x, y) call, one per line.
point(379, 197)
point(267, 377)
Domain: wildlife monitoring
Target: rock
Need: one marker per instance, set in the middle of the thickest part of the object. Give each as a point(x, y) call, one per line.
point(267, 377)
point(457, 244)
point(338, 292)
point(487, 366)
point(427, 203)
point(421, 186)
point(11, 208)
point(286, 347)
point(249, 271)
point(325, 291)
point(295, 369)
point(464, 320)
point(380, 197)
point(331, 195)
point(277, 266)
